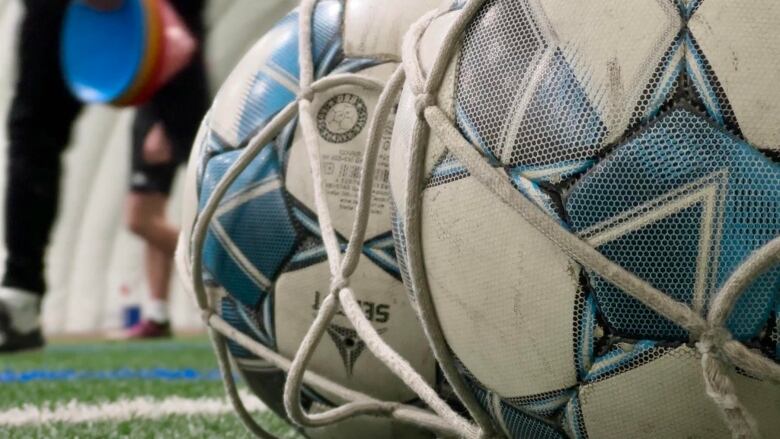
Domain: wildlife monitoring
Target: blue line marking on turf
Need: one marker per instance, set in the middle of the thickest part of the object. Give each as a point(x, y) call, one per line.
point(159, 374)
point(156, 346)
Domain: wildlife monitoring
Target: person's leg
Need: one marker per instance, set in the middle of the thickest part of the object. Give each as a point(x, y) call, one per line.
point(152, 176)
point(146, 218)
point(168, 125)
point(159, 266)
point(39, 124)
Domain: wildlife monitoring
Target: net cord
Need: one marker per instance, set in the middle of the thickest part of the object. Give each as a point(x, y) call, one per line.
point(720, 352)
point(419, 83)
point(228, 380)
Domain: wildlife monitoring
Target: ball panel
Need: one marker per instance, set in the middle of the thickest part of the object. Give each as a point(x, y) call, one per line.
point(665, 397)
point(475, 245)
point(189, 206)
point(572, 421)
point(432, 39)
point(252, 234)
point(512, 421)
point(446, 170)
point(545, 405)
point(376, 28)
point(706, 85)
point(261, 377)
point(613, 47)
point(557, 121)
point(586, 332)
point(399, 239)
point(365, 427)
point(264, 381)
point(775, 336)
point(762, 400)
point(682, 204)
point(623, 356)
point(342, 115)
point(342, 355)
point(742, 45)
point(518, 425)
point(487, 84)
point(557, 76)
point(239, 88)
point(233, 313)
point(266, 79)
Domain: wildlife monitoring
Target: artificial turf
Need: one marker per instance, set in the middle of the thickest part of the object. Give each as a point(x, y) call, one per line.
point(168, 427)
point(101, 372)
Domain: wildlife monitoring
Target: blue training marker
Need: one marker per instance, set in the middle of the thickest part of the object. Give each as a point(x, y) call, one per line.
point(102, 51)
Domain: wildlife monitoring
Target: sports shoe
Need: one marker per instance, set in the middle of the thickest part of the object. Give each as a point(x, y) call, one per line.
point(12, 340)
point(148, 329)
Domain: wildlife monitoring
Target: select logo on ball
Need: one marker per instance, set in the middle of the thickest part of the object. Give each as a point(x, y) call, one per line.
point(342, 118)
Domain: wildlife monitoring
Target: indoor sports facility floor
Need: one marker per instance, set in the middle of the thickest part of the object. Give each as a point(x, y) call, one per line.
point(147, 389)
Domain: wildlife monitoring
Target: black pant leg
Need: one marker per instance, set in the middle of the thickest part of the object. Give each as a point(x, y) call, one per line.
point(39, 125)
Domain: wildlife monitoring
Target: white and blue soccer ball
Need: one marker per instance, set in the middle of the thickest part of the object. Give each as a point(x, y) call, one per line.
point(650, 129)
point(264, 255)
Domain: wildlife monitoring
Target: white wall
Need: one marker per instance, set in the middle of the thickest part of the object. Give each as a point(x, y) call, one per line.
point(92, 256)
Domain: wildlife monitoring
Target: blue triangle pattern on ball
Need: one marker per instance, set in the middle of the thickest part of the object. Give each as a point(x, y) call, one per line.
point(677, 192)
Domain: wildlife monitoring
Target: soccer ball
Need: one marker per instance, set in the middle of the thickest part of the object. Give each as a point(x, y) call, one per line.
point(264, 257)
point(649, 129)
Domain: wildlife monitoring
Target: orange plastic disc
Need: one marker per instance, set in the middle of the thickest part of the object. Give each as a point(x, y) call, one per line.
point(152, 55)
point(176, 49)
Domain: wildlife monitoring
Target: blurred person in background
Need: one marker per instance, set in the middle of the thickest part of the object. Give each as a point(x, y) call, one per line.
point(40, 120)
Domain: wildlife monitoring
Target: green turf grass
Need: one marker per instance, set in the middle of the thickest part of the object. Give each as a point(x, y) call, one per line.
point(91, 392)
point(195, 353)
point(191, 354)
point(169, 427)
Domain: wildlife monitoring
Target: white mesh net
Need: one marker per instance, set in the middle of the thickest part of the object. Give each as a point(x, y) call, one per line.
point(606, 200)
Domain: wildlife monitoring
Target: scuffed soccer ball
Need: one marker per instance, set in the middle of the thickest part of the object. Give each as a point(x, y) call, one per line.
point(264, 255)
point(650, 130)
